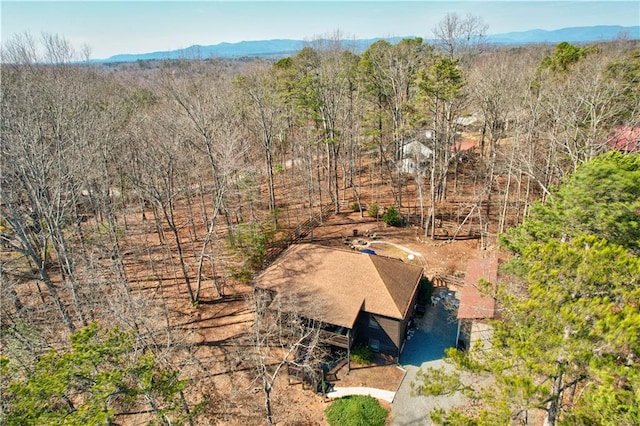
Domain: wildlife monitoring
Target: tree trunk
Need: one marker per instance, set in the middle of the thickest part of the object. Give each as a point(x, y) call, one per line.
point(169, 217)
point(40, 263)
point(553, 407)
point(267, 403)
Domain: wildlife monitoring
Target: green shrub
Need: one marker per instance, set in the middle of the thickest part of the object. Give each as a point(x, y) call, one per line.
point(392, 217)
point(356, 410)
point(374, 210)
point(354, 206)
point(362, 354)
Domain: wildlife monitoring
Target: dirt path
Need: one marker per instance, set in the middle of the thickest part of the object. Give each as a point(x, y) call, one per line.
point(412, 255)
point(437, 257)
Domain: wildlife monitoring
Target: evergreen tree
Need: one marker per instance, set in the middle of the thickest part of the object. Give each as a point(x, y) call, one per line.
point(601, 198)
point(101, 375)
point(568, 339)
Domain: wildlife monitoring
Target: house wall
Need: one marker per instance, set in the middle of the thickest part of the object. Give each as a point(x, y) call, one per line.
point(385, 333)
point(476, 335)
point(378, 332)
point(392, 328)
point(404, 324)
point(389, 333)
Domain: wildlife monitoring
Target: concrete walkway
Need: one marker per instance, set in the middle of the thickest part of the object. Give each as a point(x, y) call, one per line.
point(414, 410)
point(376, 393)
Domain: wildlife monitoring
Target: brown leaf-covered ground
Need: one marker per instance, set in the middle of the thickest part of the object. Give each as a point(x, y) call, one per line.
point(216, 328)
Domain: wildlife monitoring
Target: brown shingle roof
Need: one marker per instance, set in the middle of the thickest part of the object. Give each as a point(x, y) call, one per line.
point(342, 282)
point(473, 303)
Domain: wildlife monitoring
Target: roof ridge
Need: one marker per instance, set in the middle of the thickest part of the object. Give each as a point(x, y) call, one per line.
point(385, 279)
point(385, 269)
point(341, 280)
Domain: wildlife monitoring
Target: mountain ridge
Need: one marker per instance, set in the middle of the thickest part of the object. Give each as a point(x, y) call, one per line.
point(286, 47)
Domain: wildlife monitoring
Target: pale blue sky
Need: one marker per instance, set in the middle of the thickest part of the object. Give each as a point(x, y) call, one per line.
point(112, 27)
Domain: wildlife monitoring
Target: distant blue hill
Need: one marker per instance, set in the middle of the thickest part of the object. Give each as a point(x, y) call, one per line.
point(223, 50)
point(286, 47)
point(260, 48)
point(571, 35)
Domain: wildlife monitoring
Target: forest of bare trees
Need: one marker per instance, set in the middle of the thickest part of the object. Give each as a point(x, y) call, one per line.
point(118, 181)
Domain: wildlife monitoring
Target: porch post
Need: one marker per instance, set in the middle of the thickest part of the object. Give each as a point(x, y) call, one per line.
point(348, 350)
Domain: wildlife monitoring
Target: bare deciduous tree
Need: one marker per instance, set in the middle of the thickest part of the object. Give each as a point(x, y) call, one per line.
point(282, 338)
point(263, 115)
point(460, 37)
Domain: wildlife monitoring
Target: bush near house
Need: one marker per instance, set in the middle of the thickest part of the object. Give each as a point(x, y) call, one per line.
point(373, 210)
point(362, 354)
point(425, 291)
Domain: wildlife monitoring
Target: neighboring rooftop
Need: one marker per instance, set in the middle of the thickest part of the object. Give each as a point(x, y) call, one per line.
point(625, 139)
point(466, 121)
point(463, 145)
point(474, 304)
point(417, 149)
point(333, 285)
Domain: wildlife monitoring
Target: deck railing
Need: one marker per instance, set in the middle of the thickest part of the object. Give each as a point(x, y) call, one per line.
point(339, 340)
point(298, 233)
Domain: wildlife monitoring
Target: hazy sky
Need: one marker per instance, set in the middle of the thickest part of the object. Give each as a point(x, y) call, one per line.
point(112, 27)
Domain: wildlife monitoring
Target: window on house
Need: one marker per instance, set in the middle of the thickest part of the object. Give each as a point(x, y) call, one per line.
point(373, 323)
point(374, 344)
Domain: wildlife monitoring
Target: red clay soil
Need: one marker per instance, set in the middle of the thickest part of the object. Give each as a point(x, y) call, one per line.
point(216, 327)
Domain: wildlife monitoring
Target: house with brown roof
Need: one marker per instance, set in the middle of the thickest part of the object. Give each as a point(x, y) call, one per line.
point(361, 298)
point(477, 305)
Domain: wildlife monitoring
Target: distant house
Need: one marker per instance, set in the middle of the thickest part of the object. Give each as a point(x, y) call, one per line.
point(361, 298)
point(414, 156)
point(624, 139)
point(429, 134)
point(476, 306)
point(466, 121)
